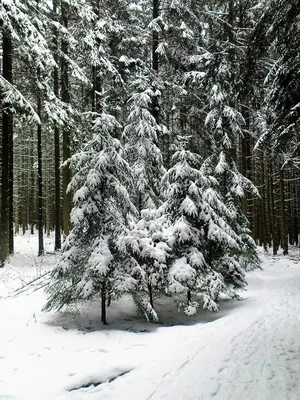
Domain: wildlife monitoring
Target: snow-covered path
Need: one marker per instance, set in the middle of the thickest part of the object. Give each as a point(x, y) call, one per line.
point(251, 354)
point(250, 350)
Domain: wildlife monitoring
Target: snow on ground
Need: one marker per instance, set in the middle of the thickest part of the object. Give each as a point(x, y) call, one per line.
point(249, 350)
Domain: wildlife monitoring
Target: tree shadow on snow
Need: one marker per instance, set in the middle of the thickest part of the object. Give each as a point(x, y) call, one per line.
point(123, 315)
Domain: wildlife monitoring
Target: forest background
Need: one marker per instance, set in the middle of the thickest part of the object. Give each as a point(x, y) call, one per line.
point(167, 89)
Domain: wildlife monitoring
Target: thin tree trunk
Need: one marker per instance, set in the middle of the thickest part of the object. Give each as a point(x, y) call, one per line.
point(24, 198)
point(47, 206)
point(6, 236)
point(150, 293)
point(264, 233)
point(103, 303)
point(189, 296)
point(247, 167)
point(273, 211)
point(40, 183)
point(10, 186)
point(269, 206)
point(57, 203)
point(155, 42)
point(8, 74)
point(295, 208)
point(284, 236)
point(57, 243)
point(65, 93)
point(18, 191)
point(32, 192)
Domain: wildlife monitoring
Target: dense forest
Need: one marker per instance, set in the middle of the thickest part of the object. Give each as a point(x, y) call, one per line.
point(158, 140)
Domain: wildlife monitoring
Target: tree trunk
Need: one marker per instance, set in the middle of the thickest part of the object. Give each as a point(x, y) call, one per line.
point(6, 220)
point(65, 93)
point(295, 208)
point(189, 296)
point(150, 293)
point(32, 192)
point(155, 42)
point(273, 211)
point(103, 303)
point(57, 205)
point(283, 230)
point(247, 166)
point(264, 226)
point(40, 183)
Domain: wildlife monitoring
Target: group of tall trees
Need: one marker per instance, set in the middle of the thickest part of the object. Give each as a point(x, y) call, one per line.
point(171, 128)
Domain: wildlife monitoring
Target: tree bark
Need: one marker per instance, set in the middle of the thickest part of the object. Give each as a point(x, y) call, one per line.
point(57, 202)
point(283, 230)
point(40, 183)
point(32, 185)
point(264, 225)
point(273, 211)
point(6, 220)
point(65, 93)
point(103, 303)
point(150, 293)
point(155, 41)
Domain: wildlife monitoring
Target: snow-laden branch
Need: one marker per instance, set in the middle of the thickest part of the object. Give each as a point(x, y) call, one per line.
point(13, 98)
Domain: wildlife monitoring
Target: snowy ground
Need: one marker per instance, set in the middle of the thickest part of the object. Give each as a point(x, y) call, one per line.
point(249, 350)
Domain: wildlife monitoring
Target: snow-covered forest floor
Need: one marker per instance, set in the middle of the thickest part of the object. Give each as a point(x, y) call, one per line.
point(249, 350)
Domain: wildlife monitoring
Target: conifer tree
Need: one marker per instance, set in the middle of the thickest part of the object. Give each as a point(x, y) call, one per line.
point(197, 219)
point(91, 264)
point(144, 155)
point(141, 135)
point(276, 37)
point(225, 125)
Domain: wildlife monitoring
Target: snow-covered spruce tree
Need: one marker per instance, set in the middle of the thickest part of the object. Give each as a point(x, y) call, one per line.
point(147, 245)
point(276, 39)
point(141, 134)
point(177, 28)
point(217, 73)
point(196, 217)
point(93, 264)
point(224, 125)
point(153, 93)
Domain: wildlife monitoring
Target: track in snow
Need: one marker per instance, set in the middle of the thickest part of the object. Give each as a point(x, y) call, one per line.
point(253, 354)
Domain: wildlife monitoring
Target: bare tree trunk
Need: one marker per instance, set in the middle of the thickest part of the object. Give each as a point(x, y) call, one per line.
point(273, 210)
point(155, 42)
point(6, 218)
point(8, 74)
point(295, 209)
point(65, 93)
point(150, 293)
point(283, 230)
point(32, 186)
point(103, 303)
point(264, 225)
point(57, 206)
point(247, 167)
point(40, 183)
point(11, 187)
